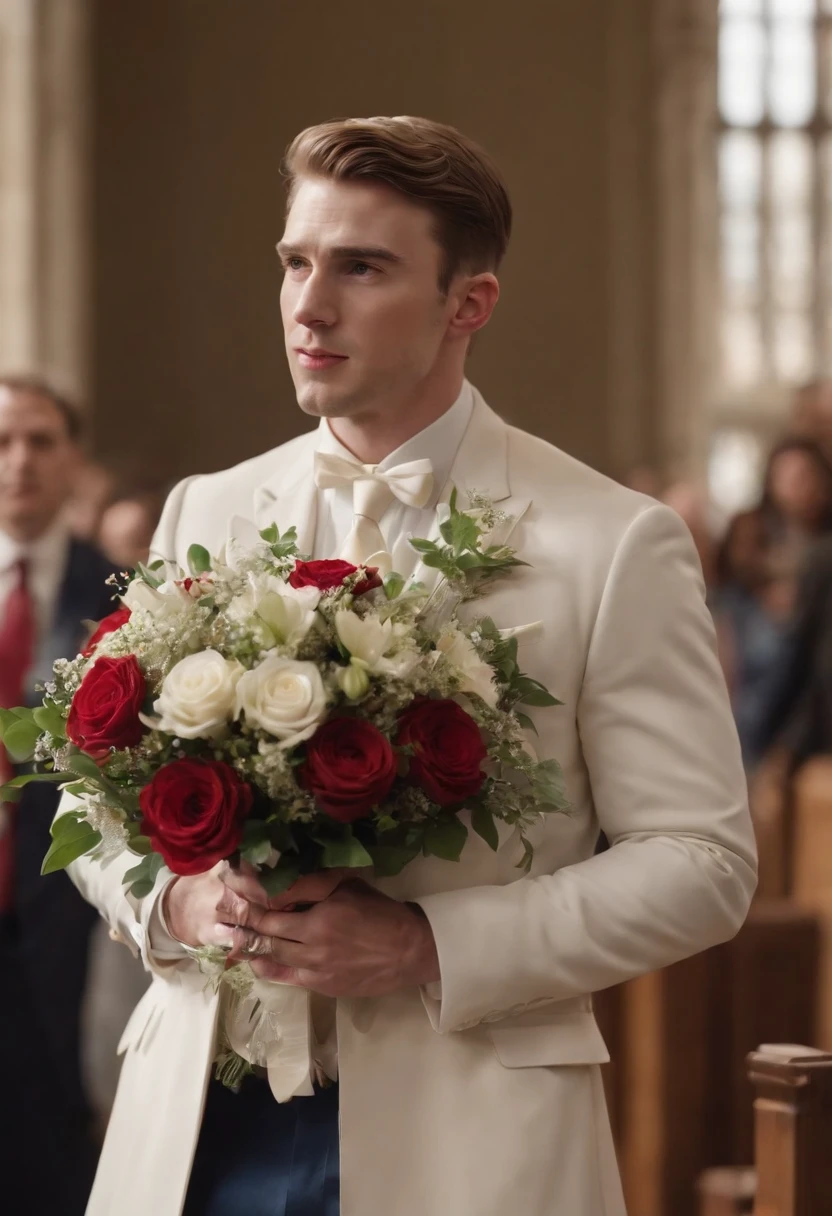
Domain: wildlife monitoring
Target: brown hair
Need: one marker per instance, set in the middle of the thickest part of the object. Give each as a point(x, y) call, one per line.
point(37, 386)
point(430, 163)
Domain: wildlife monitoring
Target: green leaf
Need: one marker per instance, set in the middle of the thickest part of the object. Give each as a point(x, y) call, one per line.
point(349, 853)
point(71, 844)
point(12, 791)
point(461, 531)
point(8, 717)
point(256, 846)
point(525, 721)
point(482, 821)
point(141, 879)
point(84, 765)
point(423, 546)
point(548, 783)
point(532, 692)
point(62, 823)
point(525, 862)
point(270, 535)
point(389, 860)
point(49, 718)
point(148, 575)
point(393, 585)
point(436, 560)
point(20, 738)
point(445, 838)
point(280, 878)
point(140, 844)
point(199, 560)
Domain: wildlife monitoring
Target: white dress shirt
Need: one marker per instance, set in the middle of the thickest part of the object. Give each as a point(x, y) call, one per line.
point(438, 443)
point(47, 557)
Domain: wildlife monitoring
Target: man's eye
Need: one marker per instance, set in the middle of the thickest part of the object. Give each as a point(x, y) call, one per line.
point(361, 269)
point(294, 263)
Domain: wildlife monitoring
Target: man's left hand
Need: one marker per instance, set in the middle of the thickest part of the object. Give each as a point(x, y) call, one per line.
point(355, 943)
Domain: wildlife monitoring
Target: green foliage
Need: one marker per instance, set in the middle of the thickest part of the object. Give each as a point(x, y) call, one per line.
point(346, 851)
point(72, 841)
point(49, 717)
point(19, 733)
point(277, 879)
point(393, 585)
point(141, 879)
point(549, 786)
point(445, 837)
point(12, 791)
point(482, 821)
point(199, 560)
point(282, 546)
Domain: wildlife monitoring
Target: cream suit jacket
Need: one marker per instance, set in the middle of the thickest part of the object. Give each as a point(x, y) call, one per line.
point(483, 1096)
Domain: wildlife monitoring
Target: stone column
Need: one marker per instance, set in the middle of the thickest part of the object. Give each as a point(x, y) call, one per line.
point(43, 189)
point(685, 36)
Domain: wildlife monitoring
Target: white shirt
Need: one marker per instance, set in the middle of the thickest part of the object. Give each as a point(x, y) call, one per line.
point(438, 443)
point(47, 557)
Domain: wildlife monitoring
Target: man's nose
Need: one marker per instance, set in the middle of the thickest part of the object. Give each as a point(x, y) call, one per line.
point(315, 304)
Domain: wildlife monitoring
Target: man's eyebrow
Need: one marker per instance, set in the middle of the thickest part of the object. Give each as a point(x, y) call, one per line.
point(360, 253)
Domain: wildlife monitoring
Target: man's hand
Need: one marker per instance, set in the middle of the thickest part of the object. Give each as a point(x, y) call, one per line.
point(204, 909)
point(355, 943)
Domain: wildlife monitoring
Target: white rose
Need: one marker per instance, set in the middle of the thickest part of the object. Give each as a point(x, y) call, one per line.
point(366, 638)
point(477, 675)
point(197, 697)
point(162, 603)
point(284, 697)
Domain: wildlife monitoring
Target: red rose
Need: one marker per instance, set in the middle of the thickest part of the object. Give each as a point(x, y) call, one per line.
point(105, 709)
point(349, 767)
point(327, 575)
point(109, 625)
point(448, 750)
point(194, 812)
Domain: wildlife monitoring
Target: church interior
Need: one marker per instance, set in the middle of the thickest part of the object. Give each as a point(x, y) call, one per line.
point(665, 317)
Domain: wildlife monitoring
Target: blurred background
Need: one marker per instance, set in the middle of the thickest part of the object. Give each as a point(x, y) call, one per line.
point(666, 317)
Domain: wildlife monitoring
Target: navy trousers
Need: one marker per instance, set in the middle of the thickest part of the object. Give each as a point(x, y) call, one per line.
point(257, 1157)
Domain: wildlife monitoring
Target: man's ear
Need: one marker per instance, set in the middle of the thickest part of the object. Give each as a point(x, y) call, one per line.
point(476, 298)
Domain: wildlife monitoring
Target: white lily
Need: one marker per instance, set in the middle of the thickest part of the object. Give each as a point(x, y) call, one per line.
point(367, 638)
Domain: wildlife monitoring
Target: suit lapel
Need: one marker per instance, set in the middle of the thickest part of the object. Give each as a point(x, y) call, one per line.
point(288, 498)
point(481, 464)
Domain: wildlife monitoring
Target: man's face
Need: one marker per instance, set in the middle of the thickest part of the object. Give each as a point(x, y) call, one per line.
point(37, 462)
point(364, 320)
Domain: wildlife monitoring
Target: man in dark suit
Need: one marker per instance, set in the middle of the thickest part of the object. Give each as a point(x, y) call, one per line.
point(50, 584)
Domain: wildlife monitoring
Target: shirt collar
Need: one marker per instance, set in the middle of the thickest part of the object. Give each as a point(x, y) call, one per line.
point(438, 442)
point(47, 551)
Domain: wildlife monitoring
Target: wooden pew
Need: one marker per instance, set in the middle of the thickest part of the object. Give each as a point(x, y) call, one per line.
point(793, 1130)
point(681, 1098)
point(811, 882)
point(793, 1140)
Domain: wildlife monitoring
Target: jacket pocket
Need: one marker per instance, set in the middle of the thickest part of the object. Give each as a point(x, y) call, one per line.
point(569, 1039)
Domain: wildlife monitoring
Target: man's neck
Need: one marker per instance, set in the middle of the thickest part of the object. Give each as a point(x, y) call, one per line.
point(26, 532)
point(372, 437)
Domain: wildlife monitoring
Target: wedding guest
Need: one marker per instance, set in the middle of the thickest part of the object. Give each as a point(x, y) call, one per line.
point(127, 527)
point(751, 615)
point(796, 505)
point(49, 584)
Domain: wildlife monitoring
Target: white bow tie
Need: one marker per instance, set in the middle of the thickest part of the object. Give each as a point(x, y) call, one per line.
point(373, 491)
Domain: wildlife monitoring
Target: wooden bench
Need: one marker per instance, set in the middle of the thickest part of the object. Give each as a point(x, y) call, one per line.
point(811, 881)
point(793, 1140)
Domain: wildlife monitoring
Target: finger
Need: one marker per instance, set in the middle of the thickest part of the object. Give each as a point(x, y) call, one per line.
point(309, 889)
point(247, 944)
point(233, 909)
point(246, 884)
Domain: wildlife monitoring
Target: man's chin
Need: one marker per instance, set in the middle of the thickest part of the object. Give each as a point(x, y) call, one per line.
point(324, 405)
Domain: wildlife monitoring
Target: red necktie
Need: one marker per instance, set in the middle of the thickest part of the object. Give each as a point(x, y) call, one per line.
point(17, 648)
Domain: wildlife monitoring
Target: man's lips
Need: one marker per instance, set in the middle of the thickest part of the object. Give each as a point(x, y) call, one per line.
point(315, 359)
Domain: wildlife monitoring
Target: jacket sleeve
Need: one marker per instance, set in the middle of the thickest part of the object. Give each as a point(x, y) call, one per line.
point(131, 920)
point(669, 791)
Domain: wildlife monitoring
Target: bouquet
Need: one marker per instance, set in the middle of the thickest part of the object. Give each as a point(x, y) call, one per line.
point(298, 715)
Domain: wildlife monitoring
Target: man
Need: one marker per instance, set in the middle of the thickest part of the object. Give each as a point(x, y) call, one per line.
point(49, 585)
point(467, 1049)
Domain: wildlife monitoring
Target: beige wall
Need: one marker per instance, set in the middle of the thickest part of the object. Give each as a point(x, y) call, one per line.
point(193, 103)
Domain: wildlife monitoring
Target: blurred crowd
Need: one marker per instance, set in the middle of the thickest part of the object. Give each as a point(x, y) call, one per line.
point(768, 572)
